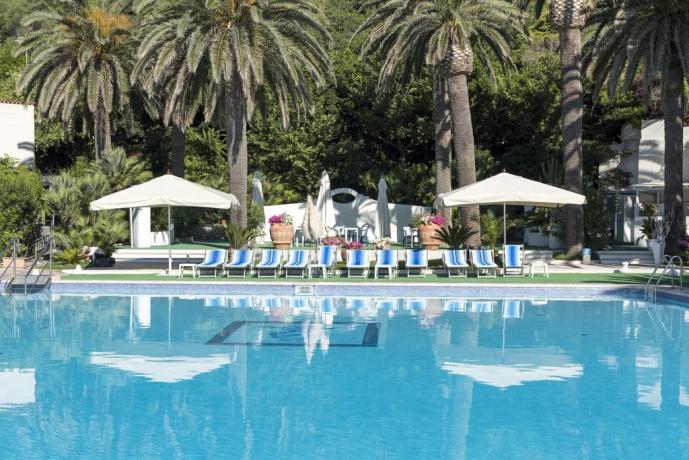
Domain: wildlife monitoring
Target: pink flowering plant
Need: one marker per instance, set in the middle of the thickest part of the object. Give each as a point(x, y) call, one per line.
point(427, 219)
point(352, 245)
point(284, 219)
point(333, 241)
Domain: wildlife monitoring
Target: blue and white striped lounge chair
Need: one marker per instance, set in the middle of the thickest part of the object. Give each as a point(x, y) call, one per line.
point(511, 309)
point(513, 260)
point(241, 261)
point(212, 260)
point(455, 259)
point(416, 259)
point(325, 261)
point(270, 261)
point(298, 262)
point(482, 260)
point(357, 261)
point(386, 259)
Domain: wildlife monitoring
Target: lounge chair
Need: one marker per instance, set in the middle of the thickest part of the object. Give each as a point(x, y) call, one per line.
point(482, 260)
point(455, 259)
point(513, 260)
point(416, 259)
point(386, 259)
point(298, 262)
point(241, 260)
point(212, 260)
point(357, 260)
point(325, 261)
point(270, 261)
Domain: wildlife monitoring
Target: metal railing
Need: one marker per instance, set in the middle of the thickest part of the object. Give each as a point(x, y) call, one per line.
point(13, 245)
point(46, 248)
point(669, 266)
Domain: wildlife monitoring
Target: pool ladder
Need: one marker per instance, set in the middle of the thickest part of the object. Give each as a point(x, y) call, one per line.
point(668, 264)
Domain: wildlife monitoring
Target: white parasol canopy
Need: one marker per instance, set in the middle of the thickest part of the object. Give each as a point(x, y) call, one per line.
point(382, 211)
point(324, 204)
point(508, 189)
point(166, 191)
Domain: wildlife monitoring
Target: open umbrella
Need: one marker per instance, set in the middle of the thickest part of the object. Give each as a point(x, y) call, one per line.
point(324, 204)
point(166, 191)
point(382, 211)
point(505, 189)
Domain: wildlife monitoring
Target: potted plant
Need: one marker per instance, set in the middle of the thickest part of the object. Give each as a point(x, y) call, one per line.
point(281, 230)
point(455, 236)
point(350, 245)
point(428, 225)
point(659, 229)
point(238, 237)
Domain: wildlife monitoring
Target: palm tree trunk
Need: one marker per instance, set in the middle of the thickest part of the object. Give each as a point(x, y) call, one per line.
point(177, 139)
point(571, 105)
point(235, 125)
point(443, 138)
point(673, 105)
point(101, 130)
point(463, 144)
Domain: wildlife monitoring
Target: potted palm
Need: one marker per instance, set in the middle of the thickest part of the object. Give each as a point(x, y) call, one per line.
point(428, 226)
point(281, 230)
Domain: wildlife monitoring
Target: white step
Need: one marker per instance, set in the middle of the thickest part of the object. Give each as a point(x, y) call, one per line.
point(631, 257)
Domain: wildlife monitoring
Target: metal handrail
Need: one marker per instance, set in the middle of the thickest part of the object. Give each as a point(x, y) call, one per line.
point(47, 249)
point(13, 263)
point(668, 265)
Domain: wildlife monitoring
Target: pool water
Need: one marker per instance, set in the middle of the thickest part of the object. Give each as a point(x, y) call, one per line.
point(342, 378)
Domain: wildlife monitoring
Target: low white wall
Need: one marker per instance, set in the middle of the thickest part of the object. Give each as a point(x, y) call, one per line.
point(17, 133)
point(353, 214)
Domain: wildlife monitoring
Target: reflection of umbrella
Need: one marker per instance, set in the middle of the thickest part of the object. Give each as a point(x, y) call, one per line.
point(509, 189)
point(166, 191)
point(18, 387)
point(257, 193)
point(312, 223)
point(324, 204)
point(383, 211)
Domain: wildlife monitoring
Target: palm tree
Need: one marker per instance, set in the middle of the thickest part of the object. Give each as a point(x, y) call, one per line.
point(78, 64)
point(651, 39)
point(569, 17)
point(228, 56)
point(443, 33)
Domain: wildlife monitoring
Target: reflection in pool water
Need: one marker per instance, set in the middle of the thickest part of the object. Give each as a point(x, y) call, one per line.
point(279, 377)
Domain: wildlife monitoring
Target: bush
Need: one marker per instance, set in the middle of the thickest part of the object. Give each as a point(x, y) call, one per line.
point(70, 256)
point(20, 201)
point(491, 229)
point(455, 236)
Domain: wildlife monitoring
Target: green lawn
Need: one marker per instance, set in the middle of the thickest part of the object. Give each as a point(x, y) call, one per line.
point(555, 278)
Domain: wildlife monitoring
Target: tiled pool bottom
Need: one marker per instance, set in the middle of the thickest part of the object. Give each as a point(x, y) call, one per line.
point(265, 376)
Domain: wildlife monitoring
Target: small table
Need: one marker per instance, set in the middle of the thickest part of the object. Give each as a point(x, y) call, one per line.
point(538, 265)
point(180, 270)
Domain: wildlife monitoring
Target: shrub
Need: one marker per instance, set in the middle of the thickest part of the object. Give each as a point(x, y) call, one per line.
point(238, 237)
point(455, 236)
point(70, 256)
point(491, 229)
point(20, 201)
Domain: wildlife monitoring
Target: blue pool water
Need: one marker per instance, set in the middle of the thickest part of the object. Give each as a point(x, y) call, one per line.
point(343, 378)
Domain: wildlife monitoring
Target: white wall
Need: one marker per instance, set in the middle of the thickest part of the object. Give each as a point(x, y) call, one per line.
point(353, 214)
point(17, 135)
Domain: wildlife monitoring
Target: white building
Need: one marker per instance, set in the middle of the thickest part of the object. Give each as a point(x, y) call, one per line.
point(646, 167)
point(17, 132)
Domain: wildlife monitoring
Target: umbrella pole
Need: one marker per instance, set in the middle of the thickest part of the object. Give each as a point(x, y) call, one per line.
point(169, 243)
point(504, 225)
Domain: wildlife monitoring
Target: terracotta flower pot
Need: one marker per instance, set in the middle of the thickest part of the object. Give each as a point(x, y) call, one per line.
point(21, 262)
point(428, 237)
point(281, 235)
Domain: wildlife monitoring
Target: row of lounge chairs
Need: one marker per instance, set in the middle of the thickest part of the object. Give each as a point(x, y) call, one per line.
point(299, 263)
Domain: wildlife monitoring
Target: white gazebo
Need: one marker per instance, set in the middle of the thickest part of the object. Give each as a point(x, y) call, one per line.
point(166, 191)
point(508, 189)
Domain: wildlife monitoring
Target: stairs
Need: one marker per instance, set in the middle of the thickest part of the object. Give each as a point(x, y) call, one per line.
point(632, 257)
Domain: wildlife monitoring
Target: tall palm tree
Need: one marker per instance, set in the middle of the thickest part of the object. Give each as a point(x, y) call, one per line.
point(78, 63)
point(444, 33)
point(569, 17)
point(651, 39)
point(227, 56)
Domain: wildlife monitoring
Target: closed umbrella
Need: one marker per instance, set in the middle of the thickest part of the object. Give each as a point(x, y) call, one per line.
point(314, 220)
point(382, 211)
point(308, 214)
point(324, 204)
point(257, 194)
point(508, 189)
point(166, 191)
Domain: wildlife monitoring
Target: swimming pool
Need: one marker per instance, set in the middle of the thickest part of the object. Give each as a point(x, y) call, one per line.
point(152, 376)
